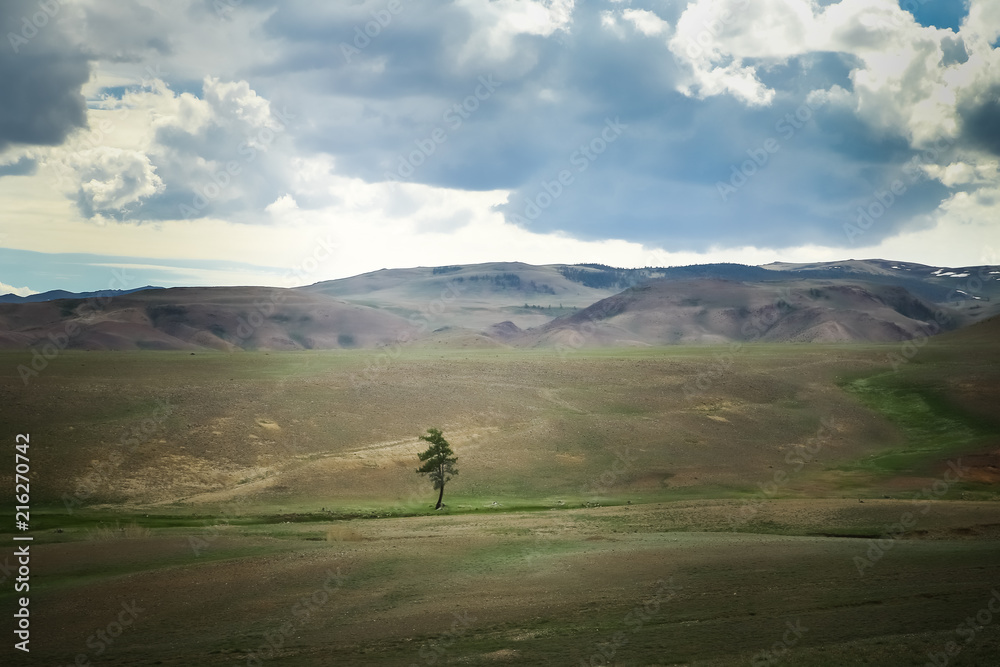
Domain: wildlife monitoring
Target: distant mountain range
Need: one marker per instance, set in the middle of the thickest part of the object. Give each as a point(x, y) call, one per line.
point(52, 295)
point(515, 304)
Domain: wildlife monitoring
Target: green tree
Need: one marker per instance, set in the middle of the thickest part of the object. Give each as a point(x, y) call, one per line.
point(439, 461)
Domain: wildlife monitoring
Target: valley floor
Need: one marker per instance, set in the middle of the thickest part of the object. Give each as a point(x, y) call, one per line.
point(788, 505)
point(685, 583)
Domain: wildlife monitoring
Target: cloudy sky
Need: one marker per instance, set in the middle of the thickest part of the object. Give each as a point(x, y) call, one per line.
point(221, 142)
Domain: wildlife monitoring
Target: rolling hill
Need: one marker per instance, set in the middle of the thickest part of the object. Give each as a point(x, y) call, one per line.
point(514, 304)
point(476, 296)
point(52, 295)
point(191, 318)
point(973, 291)
point(718, 311)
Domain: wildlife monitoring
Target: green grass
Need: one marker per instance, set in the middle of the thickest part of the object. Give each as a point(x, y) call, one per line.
point(289, 435)
point(932, 429)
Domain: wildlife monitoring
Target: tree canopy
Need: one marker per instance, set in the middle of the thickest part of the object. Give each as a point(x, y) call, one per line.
point(438, 461)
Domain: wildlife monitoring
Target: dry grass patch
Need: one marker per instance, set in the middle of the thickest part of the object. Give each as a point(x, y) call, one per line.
point(343, 534)
point(129, 531)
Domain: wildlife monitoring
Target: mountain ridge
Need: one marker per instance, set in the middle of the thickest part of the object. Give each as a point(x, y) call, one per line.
point(518, 304)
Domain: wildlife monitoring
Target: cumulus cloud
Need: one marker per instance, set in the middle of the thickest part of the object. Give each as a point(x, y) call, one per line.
point(885, 88)
point(177, 155)
point(920, 81)
point(222, 153)
point(706, 40)
point(251, 115)
point(646, 22)
point(497, 24)
point(113, 180)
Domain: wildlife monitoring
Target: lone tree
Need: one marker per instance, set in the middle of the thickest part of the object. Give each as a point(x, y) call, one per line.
point(439, 461)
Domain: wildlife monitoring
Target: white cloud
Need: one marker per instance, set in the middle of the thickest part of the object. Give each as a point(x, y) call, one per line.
point(646, 22)
point(112, 179)
point(609, 22)
point(981, 26)
point(156, 140)
point(901, 84)
point(19, 291)
point(498, 22)
point(234, 101)
point(227, 146)
point(706, 40)
point(964, 233)
point(973, 171)
point(282, 205)
point(374, 225)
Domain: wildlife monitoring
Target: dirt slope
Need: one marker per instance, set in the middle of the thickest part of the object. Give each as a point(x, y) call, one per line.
point(223, 318)
point(717, 311)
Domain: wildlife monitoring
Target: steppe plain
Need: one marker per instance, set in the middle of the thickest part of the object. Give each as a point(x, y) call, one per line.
point(799, 504)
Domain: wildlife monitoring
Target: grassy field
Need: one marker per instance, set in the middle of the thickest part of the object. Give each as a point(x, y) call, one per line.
point(766, 504)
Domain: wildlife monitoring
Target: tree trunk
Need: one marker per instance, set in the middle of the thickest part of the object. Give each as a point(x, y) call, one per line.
point(440, 496)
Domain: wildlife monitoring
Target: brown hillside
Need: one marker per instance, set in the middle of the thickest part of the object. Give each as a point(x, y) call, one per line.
point(224, 318)
point(718, 311)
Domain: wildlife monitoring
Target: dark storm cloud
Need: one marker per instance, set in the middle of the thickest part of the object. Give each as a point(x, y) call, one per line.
point(780, 176)
point(551, 91)
point(41, 74)
point(981, 121)
point(126, 32)
point(376, 104)
point(372, 122)
point(420, 94)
